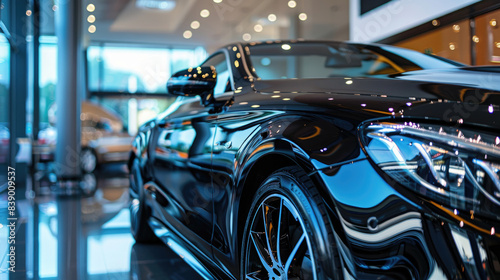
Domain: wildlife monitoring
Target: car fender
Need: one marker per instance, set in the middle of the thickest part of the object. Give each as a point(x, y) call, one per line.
point(286, 141)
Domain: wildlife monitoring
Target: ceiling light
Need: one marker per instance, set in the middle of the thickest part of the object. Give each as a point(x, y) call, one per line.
point(90, 8)
point(92, 28)
point(302, 16)
point(91, 18)
point(286, 47)
point(217, 1)
point(292, 4)
point(204, 13)
point(187, 34)
point(258, 28)
point(247, 37)
point(271, 17)
point(166, 5)
point(195, 24)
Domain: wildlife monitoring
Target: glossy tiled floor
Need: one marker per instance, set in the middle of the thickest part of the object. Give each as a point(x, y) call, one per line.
point(82, 236)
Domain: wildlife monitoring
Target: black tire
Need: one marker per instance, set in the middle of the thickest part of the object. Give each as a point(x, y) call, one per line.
point(139, 211)
point(294, 211)
point(88, 160)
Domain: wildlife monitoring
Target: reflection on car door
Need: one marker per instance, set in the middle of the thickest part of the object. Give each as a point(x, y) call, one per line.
point(233, 129)
point(182, 165)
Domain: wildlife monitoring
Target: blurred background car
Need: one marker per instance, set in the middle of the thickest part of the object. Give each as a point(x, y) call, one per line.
point(103, 138)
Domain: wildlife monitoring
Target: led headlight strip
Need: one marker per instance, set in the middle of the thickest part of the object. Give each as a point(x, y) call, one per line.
point(454, 166)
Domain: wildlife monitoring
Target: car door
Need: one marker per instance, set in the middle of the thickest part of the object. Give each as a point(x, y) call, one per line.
point(182, 163)
point(233, 129)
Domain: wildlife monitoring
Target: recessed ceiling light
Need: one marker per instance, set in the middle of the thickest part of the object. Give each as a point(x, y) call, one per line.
point(187, 34)
point(303, 16)
point(195, 24)
point(258, 28)
point(286, 47)
point(90, 7)
point(247, 37)
point(92, 28)
point(204, 13)
point(271, 17)
point(217, 1)
point(292, 4)
point(166, 5)
point(91, 18)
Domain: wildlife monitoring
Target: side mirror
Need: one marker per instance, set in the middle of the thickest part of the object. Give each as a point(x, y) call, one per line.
point(193, 81)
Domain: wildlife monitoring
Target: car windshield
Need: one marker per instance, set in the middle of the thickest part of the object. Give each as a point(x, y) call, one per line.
point(324, 60)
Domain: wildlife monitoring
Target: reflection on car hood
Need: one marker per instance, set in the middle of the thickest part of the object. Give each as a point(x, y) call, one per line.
point(366, 98)
point(486, 77)
point(412, 85)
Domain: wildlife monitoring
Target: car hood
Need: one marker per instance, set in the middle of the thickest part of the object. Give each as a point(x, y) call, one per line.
point(486, 77)
point(398, 96)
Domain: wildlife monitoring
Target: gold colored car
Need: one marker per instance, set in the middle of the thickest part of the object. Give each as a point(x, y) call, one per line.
point(103, 138)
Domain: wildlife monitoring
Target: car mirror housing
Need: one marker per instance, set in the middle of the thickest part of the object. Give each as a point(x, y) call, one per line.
point(193, 81)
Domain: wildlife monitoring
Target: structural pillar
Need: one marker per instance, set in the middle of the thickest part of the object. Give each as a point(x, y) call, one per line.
point(68, 99)
point(70, 256)
point(18, 89)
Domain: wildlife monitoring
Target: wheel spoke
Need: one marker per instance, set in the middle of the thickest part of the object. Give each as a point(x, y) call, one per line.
point(294, 252)
point(253, 276)
point(278, 235)
point(261, 251)
point(268, 226)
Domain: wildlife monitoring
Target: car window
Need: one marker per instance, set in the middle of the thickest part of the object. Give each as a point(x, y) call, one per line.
point(324, 60)
point(223, 82)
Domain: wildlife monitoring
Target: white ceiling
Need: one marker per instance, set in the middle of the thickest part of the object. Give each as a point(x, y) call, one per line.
point(122, 21)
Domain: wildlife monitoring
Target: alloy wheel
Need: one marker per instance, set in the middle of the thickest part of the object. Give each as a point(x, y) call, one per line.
point(278, 245)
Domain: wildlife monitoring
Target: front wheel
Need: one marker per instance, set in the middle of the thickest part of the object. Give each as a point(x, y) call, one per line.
point(288, 233)
point(139, 211)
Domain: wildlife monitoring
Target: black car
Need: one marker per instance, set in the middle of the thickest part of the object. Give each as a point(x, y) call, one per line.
point(324, 160)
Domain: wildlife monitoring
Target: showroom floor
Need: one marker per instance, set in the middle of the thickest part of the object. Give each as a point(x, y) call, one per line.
point(83, 236)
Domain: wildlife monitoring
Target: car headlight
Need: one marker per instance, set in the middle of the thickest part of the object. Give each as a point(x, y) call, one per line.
point(452, 166)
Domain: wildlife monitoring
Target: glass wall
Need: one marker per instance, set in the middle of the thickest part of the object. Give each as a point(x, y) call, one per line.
point(119, 78)
point(131, 70)
point(47, 77)
point(4, 107)
point(114, 68)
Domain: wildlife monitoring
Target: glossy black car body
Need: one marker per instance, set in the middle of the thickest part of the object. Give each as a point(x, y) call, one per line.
point(196, 169)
